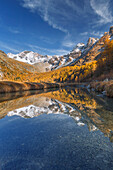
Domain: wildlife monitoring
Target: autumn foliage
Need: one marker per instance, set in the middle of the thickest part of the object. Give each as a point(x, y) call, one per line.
point(69, 73)
point(105, 62)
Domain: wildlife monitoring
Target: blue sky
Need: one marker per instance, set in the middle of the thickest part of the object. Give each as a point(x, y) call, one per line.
point(51, 27)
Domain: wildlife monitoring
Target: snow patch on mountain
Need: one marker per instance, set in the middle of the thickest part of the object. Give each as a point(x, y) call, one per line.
point(28, 57)
point(79, 47)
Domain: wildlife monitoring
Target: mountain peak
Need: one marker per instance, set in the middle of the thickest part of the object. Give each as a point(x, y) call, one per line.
point(29, 57)
point(91, 41)
point(79, 47)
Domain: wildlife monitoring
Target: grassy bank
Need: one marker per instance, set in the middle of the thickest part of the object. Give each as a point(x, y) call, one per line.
point(10, 86)
point(103, 86)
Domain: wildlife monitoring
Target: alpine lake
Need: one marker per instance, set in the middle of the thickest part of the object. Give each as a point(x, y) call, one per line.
point(59, 129)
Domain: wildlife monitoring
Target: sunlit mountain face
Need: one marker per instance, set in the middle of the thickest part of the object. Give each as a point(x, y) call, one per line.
point(84, 108)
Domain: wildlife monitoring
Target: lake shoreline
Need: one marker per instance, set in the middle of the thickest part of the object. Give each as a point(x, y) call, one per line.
point(104, 87)
point(11, 86)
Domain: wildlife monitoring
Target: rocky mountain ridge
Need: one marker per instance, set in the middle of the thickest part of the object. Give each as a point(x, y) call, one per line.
point(48, 63)
point(93, 51)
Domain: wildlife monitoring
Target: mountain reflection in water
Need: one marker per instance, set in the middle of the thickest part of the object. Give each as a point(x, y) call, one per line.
point(85, 108)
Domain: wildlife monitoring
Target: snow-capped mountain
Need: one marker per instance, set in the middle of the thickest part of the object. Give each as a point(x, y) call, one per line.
point(48, 63)
point(81, 54)
point(27, 57)
point(30, 57)
point(81, 47)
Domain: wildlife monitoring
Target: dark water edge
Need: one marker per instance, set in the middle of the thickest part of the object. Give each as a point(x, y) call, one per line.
point(57, 141)
point(16, 95)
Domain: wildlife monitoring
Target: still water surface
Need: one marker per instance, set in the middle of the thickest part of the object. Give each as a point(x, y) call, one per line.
point(66, 129)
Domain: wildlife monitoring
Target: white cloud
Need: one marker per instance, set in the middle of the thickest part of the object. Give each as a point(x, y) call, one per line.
point(84, 33)
point(48, 11)
point(45, 51)
point(93, 33)
point(102, 9)
point(67, 42)
point(4, 46)
point(59, 14)
point(98, 33)
point(74, 6)
point(67, 16)
point(14, 31)
point(47, 40)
